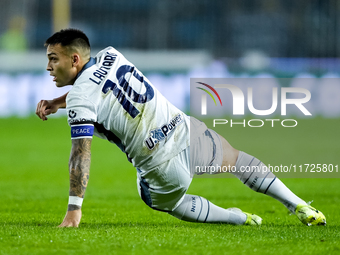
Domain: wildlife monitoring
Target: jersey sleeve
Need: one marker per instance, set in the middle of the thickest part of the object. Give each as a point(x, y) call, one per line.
point(81, 115)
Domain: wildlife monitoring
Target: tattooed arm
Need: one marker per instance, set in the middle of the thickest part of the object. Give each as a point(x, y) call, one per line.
point(79, 166)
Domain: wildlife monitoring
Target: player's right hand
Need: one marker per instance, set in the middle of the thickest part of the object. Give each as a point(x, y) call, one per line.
point(46, 107)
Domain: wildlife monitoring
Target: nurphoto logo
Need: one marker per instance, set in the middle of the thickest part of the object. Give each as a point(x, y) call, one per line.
point(243, 102)
point(204, 97)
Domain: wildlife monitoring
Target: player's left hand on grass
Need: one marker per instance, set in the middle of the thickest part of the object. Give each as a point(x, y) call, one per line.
point(72, 219)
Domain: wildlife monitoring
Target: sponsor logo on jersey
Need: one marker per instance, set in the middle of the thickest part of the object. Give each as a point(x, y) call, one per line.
point(72, 114)
point(80, 121)
point(159, 134)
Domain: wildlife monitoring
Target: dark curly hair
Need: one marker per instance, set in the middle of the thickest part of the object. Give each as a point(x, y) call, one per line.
point(72, 39)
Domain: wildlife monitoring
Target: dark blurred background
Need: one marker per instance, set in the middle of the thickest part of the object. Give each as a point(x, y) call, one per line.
point(172, 40)
point(279, 28)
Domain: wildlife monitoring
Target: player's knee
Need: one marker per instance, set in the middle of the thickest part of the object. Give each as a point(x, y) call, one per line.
point(230, 154)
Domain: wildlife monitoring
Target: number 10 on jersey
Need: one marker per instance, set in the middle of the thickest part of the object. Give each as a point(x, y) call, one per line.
point(130, 93)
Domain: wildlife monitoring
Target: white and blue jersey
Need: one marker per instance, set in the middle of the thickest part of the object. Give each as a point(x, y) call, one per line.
point(113, 100)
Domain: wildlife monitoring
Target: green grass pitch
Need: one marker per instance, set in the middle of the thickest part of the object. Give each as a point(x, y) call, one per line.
point(34, 194)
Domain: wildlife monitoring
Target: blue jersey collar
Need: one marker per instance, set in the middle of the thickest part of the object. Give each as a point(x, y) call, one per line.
point(91, 62)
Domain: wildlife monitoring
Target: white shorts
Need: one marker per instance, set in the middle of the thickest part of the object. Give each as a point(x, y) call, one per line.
point(163, 187)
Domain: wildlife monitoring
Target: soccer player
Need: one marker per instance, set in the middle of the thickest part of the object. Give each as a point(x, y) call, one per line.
point(113, 100)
